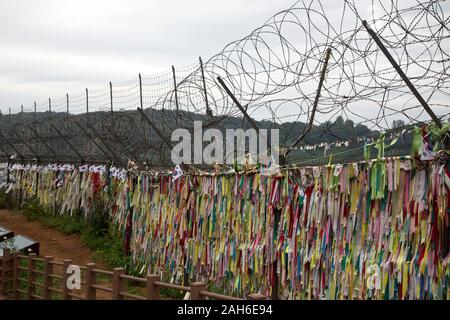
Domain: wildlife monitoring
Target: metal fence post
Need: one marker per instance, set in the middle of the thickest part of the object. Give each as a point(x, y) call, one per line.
point(118, 283)
point(91, 279)
point(140, 92)
point(111, 102)
point(208, 110)
point(8, 171)
point(153, 291)
point(67, 106)
point(50, 109)
point(35, 116)
point(87, 106)
point(54, 193)
point(140, 95)
point(36, 187)
point(176, 93)
point(21, 189)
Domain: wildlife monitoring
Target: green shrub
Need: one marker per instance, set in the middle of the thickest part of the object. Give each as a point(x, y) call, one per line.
point(7, 201)
point(96, 231)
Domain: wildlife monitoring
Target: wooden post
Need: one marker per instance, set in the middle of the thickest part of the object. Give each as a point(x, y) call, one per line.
point(16, 275)
point(48, 281)
point(31, 276)
point(118, 283)
point(65, 289)
point(9, 272)
point(5, 259)
point(2, 272)
point(91, 278)
point(152, 288)
point(256, 296)
point(196, 288)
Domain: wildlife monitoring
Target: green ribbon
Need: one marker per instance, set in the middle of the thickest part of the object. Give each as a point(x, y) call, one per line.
point(379, 145)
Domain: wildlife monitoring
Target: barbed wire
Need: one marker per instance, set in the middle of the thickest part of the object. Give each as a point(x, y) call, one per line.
point(275, 69)
point(273, 72)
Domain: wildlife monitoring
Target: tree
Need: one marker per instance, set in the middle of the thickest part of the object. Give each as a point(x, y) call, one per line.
point(349, 124)
point(339, 121)
point(398, 124)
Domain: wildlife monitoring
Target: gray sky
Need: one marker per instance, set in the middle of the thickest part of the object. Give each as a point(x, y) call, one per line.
point(50, 47)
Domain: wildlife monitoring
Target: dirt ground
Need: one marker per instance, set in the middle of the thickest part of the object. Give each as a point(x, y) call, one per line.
point(58, 245)
point(52, 242)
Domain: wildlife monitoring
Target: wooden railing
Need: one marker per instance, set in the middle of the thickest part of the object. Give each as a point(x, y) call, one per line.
point(42, 278)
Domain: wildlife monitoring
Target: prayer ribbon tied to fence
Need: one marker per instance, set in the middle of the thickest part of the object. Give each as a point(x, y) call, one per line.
point(370, 230)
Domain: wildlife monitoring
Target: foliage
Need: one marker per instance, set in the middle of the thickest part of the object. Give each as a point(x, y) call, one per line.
point(7, 201)
point(96, 231)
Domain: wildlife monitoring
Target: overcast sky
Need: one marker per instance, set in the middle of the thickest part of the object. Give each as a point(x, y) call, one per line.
point(50, 47)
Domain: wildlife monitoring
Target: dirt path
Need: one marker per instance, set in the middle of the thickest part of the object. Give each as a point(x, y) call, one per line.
point(52, 242)
point(58, 245)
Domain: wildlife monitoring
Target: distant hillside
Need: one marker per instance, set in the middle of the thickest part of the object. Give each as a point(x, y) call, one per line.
point(124, 135)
